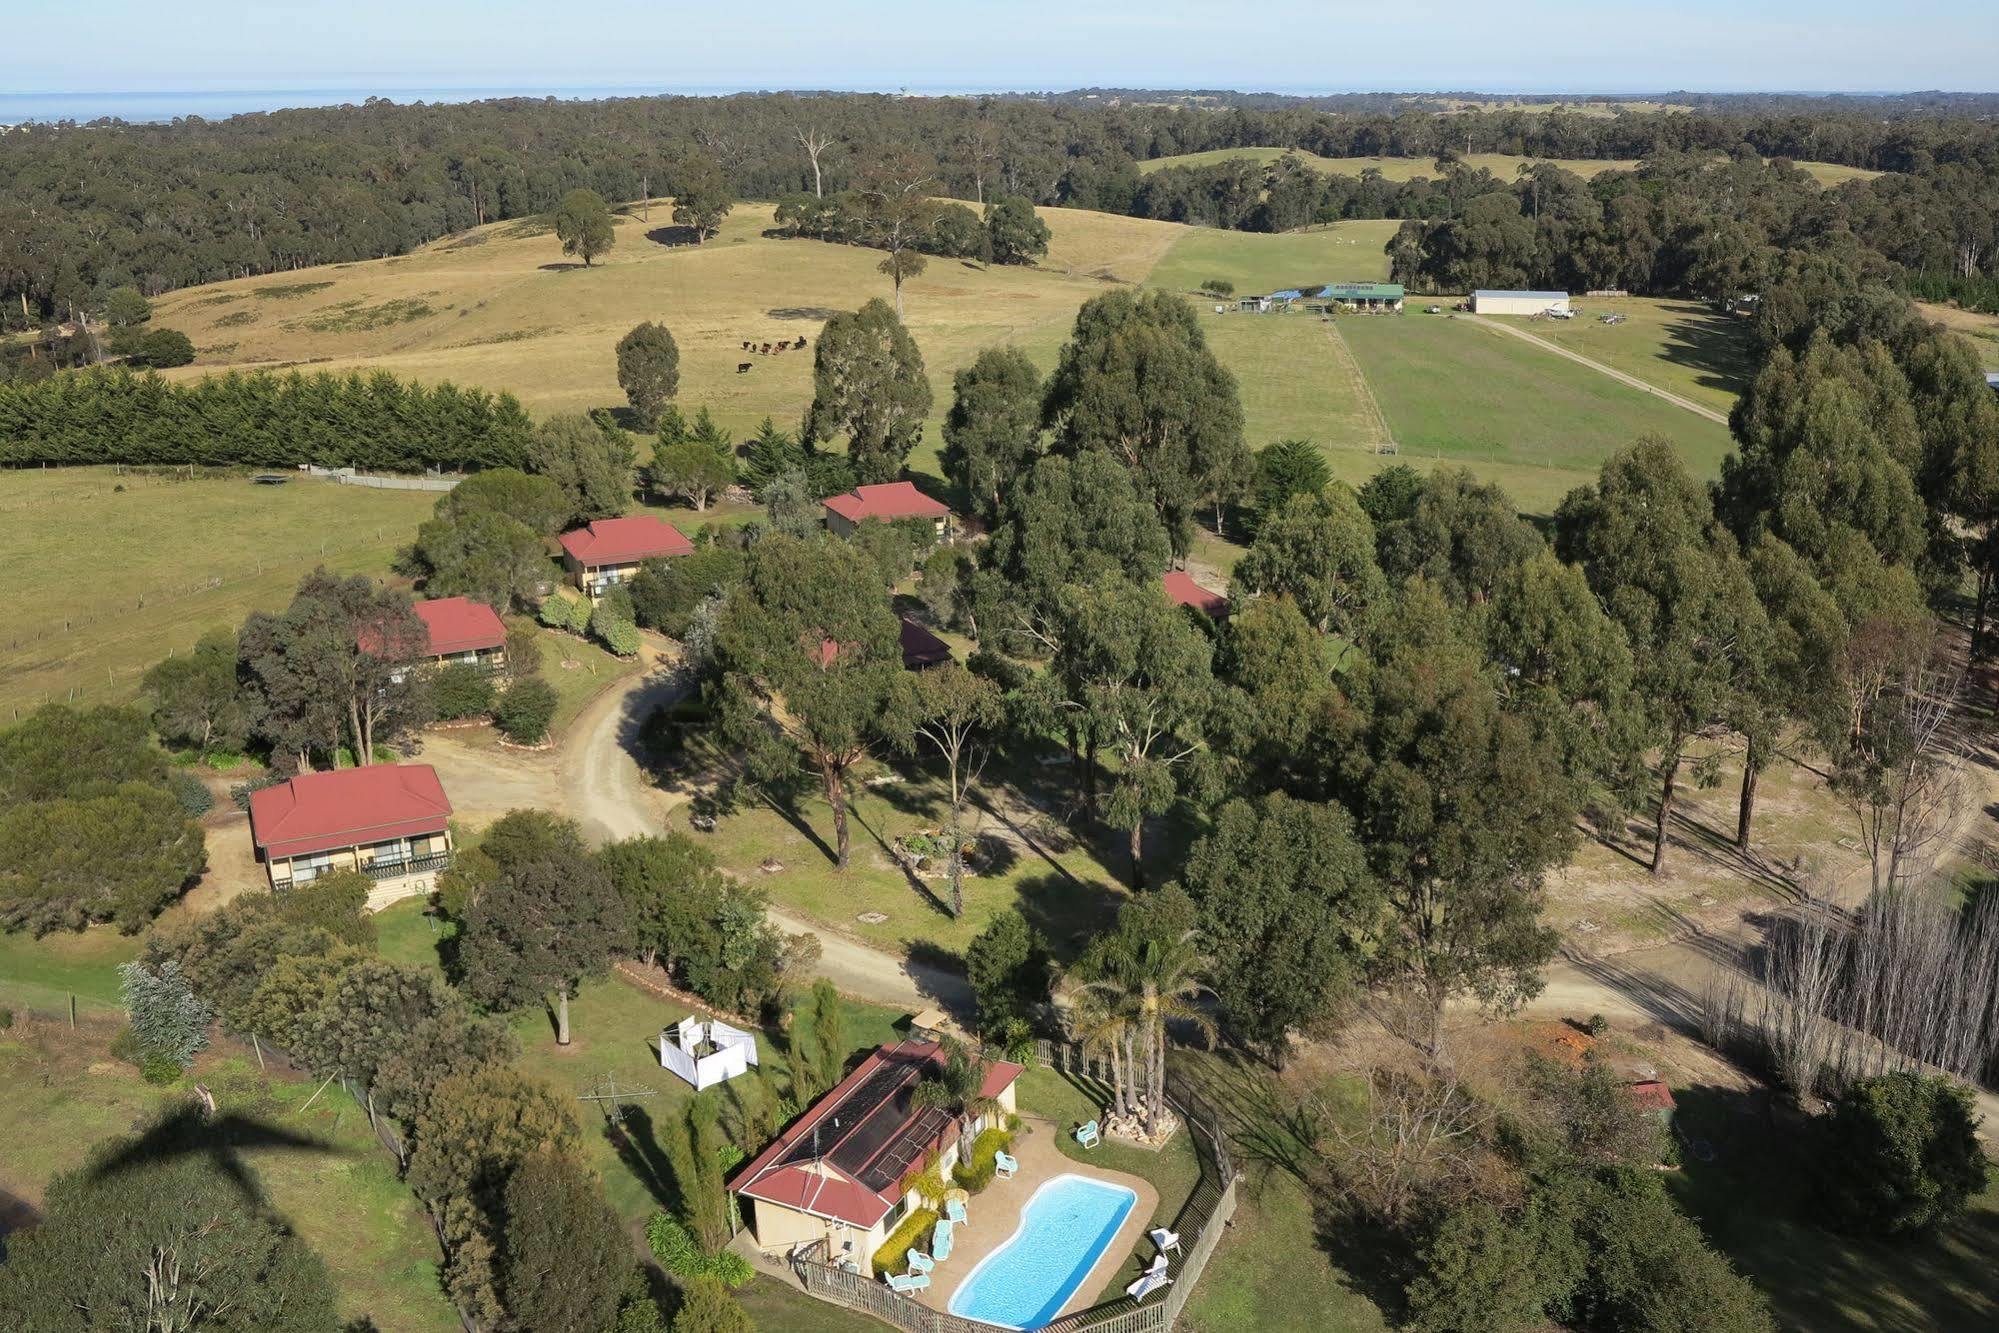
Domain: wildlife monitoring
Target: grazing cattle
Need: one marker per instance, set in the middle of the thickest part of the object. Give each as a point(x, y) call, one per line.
point(766, 349)
point(746, 344)
point(743, 367)
point(801, 342)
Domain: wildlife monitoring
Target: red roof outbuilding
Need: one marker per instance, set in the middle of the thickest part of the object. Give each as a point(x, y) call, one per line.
point(890, 501)
point(846, 1157)
point(461, 625)
point(318, 812)
point(1180, 586)
point(623, 541)
point(1651, 1095)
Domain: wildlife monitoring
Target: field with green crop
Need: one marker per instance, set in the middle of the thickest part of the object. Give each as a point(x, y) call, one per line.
point(1454, 392)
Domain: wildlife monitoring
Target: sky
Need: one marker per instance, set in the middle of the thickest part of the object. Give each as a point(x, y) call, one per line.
point(945, 45)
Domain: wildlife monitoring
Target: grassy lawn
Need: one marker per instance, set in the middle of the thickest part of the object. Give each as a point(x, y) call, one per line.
point(1681, 346)
point(1503, 165)
point(778, 1305)
point(1535, 423)
point(137, 572)
point(1256, 262)
point(1066, 885)
point(614, 1028)
point(40, 975)
point(1755, 1202)
point(578, 668)
point(60, 1092)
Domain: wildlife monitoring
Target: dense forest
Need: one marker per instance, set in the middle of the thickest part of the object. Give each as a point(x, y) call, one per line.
point(85, 209)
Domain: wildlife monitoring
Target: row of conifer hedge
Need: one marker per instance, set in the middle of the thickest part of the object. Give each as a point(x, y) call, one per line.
point(375, 422)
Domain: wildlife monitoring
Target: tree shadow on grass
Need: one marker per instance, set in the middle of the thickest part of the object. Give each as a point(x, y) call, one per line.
point(674, 237)
point(630, 1134)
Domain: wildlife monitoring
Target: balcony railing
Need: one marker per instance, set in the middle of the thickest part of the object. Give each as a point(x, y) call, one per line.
point(416, 865)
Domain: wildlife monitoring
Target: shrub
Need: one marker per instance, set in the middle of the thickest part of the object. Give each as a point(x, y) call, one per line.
point(526, 710)
point(168, 1019)
point(680, 1254)
point(192, 793)
point(1597, 1025)
point(579, 616)
point(1901, 1154)
point(554, 610)
point(978, 1173)
point(614, 631)
point(1218, 287)
point(894, 1252)
point(239, 795)
point(462, 690)
point(166, 348)
point(6, 1018)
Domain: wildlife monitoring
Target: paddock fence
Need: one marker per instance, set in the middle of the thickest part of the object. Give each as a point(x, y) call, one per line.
point(1200, 1223)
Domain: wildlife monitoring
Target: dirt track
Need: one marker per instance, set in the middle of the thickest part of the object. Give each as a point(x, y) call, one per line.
point(593, 777)
point(1675, 399)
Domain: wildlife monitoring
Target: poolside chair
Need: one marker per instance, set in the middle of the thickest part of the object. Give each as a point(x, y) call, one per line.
point(1146, 1285)
point(902, 1284)
point(919, 1262)
point(1088, 1135)
point(954, 1210)
point(1165, 1240)
point(1159, 1265)
point(1005, 1165)
point(940, 1240)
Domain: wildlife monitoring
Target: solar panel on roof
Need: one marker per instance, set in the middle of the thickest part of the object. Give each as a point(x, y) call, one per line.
point(906, 1150)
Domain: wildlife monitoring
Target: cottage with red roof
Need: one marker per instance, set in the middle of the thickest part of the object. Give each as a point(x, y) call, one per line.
point(1180, 586)
point(608, 551)
point(462, 630)
point(837, 1174)
point(388, 821)
point(888, 502)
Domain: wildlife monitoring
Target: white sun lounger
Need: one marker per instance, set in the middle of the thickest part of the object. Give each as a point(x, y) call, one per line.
point(1146, 1285)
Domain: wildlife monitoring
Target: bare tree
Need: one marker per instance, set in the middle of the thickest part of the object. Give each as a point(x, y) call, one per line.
point(814, 143)
point(1419, 1135)
point(1897, 763)
point(982, 144)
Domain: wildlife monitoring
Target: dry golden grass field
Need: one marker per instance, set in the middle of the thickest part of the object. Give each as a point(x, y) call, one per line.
point(1502, 165)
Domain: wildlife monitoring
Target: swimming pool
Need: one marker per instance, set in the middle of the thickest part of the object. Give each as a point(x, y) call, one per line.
point(1063, 1231)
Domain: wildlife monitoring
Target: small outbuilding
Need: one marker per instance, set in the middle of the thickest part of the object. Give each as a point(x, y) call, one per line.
point(1180, 586)
point(888, 502)
point(1370, 297)
point(1491, 302)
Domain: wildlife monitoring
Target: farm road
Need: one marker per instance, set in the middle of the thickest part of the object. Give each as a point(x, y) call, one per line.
point(1601, 369)
point(595, 777)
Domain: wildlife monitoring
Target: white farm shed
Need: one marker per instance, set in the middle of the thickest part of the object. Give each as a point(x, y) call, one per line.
point(1518, 303)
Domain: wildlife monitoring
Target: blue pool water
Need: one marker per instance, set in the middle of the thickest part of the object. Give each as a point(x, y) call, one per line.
point(1062, 1233)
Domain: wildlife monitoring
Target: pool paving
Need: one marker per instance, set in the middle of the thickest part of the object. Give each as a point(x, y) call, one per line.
point(995, 1214)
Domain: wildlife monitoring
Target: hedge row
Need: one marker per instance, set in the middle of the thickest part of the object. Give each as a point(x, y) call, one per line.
point(375, 422)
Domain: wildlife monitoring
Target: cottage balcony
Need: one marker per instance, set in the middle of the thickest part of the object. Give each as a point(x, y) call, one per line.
point(417, 865)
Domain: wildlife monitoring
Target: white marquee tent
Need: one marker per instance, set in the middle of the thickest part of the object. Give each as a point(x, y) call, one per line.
point(731, 1051)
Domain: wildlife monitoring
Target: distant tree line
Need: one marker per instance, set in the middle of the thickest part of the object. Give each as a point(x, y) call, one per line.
point(93, 208)
point(375, 422)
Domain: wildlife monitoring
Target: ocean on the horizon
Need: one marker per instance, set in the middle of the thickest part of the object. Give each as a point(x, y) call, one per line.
point(216, 104)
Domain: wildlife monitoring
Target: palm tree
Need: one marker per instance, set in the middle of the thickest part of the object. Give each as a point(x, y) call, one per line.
point(1102, 1022)
point(1152, 980)
point(959, 1087)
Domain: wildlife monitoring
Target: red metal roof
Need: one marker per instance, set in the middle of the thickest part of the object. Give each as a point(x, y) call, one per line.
point(620, 541)
point(460, 625)
point(1652, 1095)
point(810, 1181)
point(892, 500)
point(318, 812)
point(921, 648)
point(1180, 586)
